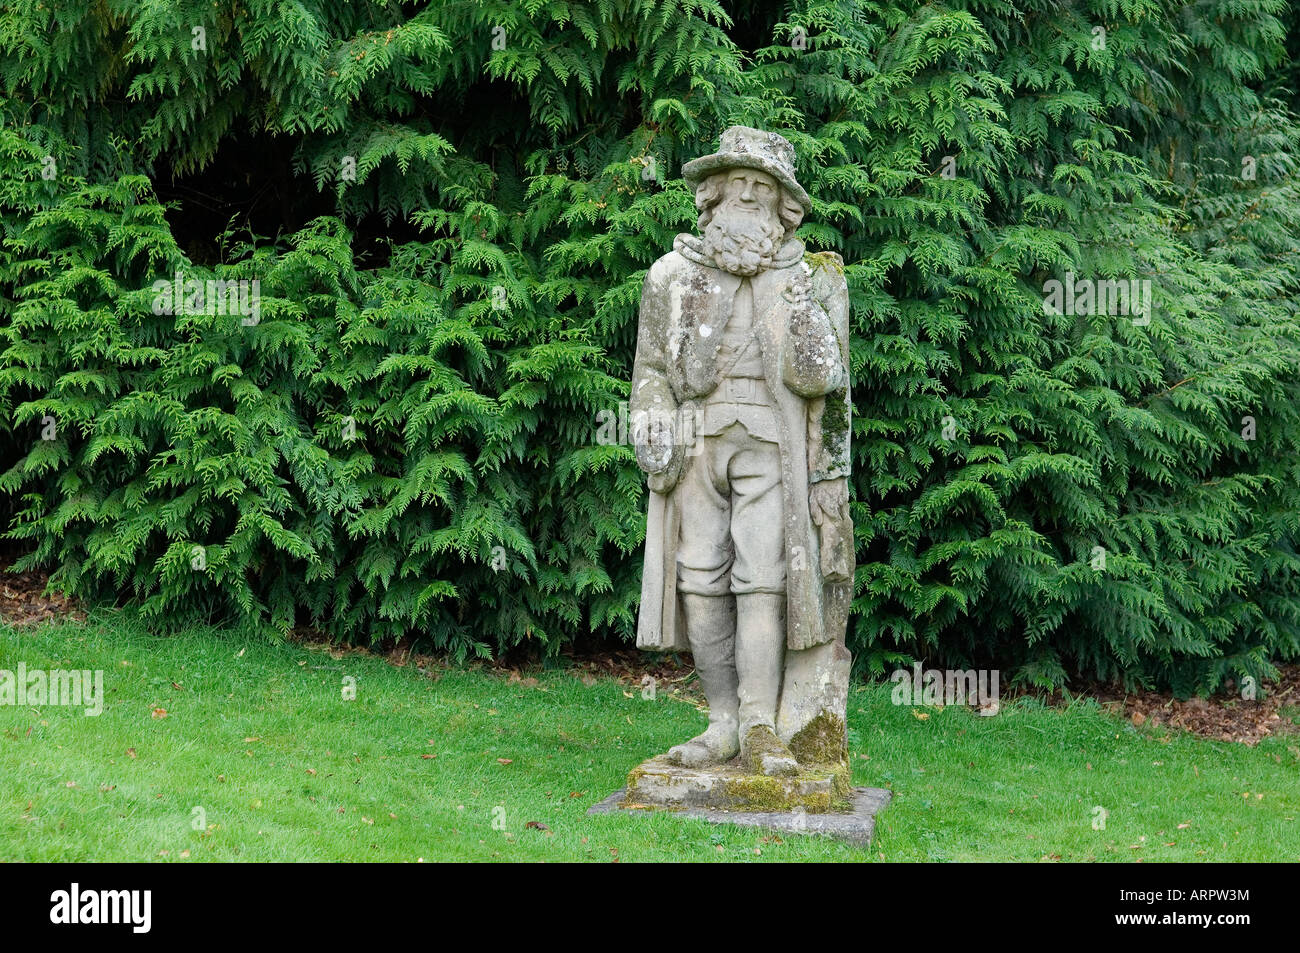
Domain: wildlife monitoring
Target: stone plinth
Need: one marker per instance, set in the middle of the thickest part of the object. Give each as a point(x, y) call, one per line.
point(659, 784)
point(854, 823)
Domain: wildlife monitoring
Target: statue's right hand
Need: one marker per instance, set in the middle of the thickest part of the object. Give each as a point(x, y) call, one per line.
point(654, 439)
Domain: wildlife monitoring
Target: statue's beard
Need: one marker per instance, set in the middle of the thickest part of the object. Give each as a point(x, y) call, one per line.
point(740, 241)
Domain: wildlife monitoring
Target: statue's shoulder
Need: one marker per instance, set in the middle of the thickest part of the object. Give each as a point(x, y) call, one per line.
point(669, 266)
point(671, 270)
point(661, 285)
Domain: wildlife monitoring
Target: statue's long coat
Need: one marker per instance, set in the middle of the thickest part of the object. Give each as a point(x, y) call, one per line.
point(685, 304)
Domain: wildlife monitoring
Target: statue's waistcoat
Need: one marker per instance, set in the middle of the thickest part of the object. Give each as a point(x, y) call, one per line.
point(702, 303)
point(741, 394)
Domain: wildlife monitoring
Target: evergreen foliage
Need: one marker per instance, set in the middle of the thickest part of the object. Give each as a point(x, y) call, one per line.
point(468, 195)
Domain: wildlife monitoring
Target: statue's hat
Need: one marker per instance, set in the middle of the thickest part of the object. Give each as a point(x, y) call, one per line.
point(743, 147)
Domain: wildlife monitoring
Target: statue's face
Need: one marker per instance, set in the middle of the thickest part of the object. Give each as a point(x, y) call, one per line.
point(743, 230)
point(752, 191)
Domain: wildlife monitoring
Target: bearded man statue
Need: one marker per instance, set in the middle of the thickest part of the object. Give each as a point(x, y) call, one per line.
point(740, 407)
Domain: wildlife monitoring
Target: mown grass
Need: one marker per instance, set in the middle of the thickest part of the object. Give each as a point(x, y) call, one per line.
point(260, 751)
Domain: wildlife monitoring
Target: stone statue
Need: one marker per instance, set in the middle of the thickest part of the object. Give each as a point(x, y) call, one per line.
point(740, 407)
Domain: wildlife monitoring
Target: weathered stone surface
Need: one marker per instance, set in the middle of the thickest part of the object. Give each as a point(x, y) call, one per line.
point(856, 824)
point(816, 685)
point(659, 783)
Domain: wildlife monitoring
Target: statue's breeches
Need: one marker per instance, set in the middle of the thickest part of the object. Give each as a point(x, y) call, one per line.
point(733, 537)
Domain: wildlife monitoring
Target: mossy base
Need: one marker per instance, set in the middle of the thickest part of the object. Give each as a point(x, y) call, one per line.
point(855, 825)
point(823, 740)
point(815, 789)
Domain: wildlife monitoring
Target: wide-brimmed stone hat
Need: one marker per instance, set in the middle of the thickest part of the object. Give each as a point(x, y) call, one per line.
point(743, 147)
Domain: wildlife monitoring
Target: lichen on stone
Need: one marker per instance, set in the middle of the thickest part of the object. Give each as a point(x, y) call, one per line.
point(758, 792)
point(657, 785)
point(824, 259)
point(823, 741)
point(834, 429)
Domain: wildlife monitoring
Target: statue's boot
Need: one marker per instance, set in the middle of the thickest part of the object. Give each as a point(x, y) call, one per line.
point(711, 631)
point(760, 657)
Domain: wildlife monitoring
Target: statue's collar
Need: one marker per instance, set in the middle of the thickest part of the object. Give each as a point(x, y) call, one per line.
point(691, 247)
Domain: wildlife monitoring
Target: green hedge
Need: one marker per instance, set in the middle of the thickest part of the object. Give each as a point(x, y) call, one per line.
point(408, 440)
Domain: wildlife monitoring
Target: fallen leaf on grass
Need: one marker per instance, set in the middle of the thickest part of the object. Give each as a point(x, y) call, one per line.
point(159, 713)
point(505, 761)
point(130, 752)
point(536, 826)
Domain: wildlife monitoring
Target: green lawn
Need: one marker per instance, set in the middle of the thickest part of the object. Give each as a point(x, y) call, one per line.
point(259, 748)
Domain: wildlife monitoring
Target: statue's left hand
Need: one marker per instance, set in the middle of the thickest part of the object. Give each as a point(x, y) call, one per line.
point(799, 294)
point(829, 500)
